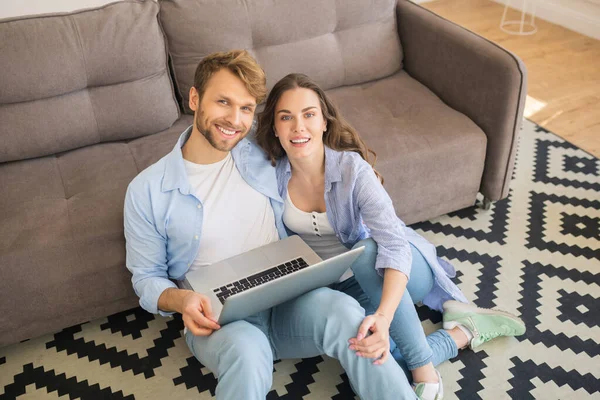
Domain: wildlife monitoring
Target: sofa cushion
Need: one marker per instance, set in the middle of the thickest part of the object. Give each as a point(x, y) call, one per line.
point(430, 155)
point(336, 42)
point(72, 80)
point(62, 228)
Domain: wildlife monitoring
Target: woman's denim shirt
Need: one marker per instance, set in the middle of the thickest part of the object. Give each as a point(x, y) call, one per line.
point(359, 207)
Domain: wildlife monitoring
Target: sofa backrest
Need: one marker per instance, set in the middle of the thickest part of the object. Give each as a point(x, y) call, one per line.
point(335, 42)
point(72, 80)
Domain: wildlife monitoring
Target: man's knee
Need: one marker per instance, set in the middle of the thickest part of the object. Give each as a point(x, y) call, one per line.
point(238, 348)
point(335, 305)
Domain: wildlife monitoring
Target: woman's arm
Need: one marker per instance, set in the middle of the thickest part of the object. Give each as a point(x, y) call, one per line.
point(378, 214)
point(394, 285)
point(377, 345)
point(393, 262)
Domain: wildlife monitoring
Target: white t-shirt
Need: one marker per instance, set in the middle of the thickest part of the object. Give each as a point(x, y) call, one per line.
point(314, 228)
point(236, 217)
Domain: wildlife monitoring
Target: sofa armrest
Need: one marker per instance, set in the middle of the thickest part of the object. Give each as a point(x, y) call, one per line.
point(473, 76)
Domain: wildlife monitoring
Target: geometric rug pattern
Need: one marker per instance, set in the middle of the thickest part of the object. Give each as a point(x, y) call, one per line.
point(536, 254)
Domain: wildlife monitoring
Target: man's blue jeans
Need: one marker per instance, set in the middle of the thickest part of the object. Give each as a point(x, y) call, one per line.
point(241, 353)
point(409, 345)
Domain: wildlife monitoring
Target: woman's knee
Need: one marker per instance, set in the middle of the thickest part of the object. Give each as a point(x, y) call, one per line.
point(369, 244)
point(365, 263)
point(421, 276)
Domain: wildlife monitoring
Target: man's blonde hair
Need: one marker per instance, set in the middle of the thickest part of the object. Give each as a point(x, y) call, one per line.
point(241, 64)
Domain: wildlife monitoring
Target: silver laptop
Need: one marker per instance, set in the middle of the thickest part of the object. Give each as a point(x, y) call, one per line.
point(246, 284)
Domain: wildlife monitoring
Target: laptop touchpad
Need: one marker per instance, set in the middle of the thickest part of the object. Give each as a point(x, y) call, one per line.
point(249, 263)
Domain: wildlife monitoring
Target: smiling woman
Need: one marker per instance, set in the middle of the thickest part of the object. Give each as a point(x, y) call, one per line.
point(295, 125)
point(336, 133)
point(334, 201)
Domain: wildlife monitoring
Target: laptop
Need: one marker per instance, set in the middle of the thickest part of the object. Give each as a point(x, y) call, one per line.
point(246, 284)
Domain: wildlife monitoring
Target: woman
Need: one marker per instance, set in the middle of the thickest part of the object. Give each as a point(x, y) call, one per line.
point(334, 200)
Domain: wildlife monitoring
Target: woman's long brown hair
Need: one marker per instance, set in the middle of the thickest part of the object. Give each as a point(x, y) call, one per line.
point(340, 135)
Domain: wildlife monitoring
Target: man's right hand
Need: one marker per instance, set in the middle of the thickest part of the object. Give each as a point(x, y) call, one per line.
point(197, 314)
point(194, 307)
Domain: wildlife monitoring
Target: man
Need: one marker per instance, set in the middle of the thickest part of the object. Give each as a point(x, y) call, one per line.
point(215, 196)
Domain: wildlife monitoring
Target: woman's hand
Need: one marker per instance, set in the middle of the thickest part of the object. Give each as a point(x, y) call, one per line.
point(377, 345)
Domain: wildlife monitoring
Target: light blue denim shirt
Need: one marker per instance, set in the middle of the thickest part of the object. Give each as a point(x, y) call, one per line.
point(359, 207)
point(163, 218)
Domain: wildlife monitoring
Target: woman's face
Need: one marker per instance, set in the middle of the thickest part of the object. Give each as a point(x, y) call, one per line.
point(299, 123)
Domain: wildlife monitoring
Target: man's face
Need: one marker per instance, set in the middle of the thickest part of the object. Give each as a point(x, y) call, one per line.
point(225, 112)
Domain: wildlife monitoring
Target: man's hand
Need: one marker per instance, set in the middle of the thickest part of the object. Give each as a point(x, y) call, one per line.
point(376, 345)
point(194, 307)
point(197, 314)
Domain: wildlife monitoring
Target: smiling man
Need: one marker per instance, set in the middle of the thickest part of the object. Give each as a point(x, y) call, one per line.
point(215, 196)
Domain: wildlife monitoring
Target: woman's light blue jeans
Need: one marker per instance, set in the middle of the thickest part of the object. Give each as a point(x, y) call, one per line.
point(409, 345)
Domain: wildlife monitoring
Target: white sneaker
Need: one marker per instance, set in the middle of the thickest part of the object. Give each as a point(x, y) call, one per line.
point(430, 391)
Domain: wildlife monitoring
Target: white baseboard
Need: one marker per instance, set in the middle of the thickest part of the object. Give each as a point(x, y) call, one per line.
point(581, 16)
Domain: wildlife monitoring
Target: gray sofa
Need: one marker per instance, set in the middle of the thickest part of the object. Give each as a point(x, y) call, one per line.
point(91, 98)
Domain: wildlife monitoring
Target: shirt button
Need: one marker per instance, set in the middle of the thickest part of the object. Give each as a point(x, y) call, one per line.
point(196, 237)
point(314, 217)
point(199, 205)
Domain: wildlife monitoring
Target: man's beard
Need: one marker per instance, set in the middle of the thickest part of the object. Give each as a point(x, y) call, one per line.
point(213, 139)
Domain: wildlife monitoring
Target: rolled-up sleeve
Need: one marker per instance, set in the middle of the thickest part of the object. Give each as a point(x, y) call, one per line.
point(378, 214)
point(146, 250)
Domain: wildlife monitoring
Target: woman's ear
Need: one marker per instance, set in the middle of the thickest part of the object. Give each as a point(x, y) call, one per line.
point(275, 132)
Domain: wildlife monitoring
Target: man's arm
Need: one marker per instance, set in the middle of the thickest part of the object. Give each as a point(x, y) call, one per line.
point(147, 260)
point(146, 249)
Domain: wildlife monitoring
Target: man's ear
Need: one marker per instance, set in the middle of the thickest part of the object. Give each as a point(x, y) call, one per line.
point(194, 99)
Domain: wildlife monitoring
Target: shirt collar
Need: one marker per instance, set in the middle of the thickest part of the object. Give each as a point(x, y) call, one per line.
point(333, 172)
point(175, 176)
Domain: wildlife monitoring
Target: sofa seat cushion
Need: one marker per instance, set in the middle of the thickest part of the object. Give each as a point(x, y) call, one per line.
point(62, 224)
point(427, 152)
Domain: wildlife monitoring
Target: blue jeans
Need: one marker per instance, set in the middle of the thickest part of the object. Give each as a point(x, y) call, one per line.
point(241, 353)
point(409, 345)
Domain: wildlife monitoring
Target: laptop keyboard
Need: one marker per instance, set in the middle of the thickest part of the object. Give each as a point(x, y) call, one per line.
point(258, 279)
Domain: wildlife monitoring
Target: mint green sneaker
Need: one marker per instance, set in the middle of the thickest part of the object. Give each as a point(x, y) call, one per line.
point(430, 391)
point(484, 324)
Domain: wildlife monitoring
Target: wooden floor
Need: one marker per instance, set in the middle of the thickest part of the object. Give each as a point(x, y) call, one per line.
point(563, 68)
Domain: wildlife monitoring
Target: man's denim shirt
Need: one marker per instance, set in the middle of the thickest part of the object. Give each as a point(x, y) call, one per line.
point(163, 219)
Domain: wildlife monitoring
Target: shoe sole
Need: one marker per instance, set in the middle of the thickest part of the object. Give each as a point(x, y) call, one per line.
point(454, 306)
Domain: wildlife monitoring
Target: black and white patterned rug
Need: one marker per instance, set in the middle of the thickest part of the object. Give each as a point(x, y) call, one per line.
point(536, 253)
